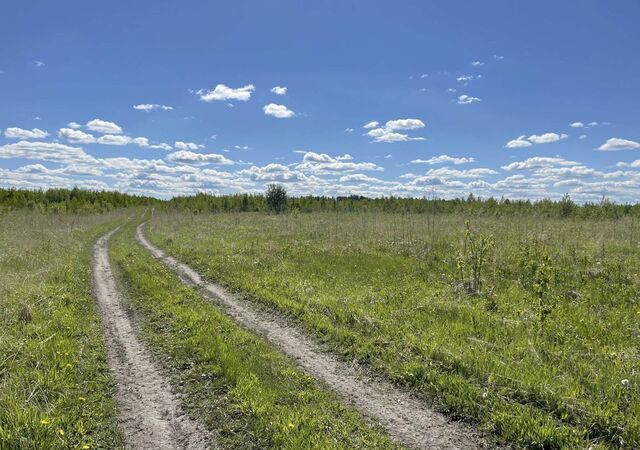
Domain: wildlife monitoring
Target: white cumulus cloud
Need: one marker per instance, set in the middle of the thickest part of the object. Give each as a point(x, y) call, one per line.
point(443, 159)
point(467, 100)
point(187, 157)
point(103, 126)
point(278, 111)
point(546, 138)
point(20, 133)
point(76, 136)
point(180, 145)
point(223, 93)
point(389, 132)
point(279, 90)
point(615, 144)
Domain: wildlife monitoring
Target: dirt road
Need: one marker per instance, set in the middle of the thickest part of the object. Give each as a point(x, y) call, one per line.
point(149, 410)
point(406, 418)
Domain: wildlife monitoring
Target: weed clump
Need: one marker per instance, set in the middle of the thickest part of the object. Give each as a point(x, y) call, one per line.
point(471, 259)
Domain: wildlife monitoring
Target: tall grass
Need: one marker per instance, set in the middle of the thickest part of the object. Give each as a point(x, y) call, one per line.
point(544, 355)
point(54, 382)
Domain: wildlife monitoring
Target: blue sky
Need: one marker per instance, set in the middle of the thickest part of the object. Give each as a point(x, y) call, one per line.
point(421, 98)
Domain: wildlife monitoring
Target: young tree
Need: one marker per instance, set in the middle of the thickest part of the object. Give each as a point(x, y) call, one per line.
point(276, 197)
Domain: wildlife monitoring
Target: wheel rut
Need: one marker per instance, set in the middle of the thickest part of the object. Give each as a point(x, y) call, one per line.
point(149, 410)
point(406, 418)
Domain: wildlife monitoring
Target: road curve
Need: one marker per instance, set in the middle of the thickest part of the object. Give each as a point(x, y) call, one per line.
point(405, 418)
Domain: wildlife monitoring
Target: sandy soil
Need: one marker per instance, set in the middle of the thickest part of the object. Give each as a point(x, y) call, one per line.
point(149, 411)
point(406, 418)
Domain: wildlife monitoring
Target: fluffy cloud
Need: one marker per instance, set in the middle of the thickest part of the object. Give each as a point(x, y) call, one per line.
point(151, 106)
point(546, 138)
point(389, 133)
point(524, 141)
point(188, 157)
point(74, 125)
point(45, 151)
point(322, 163)
point(477, 63)
point(273, 172)
point(187, 145)
point(103, 126)
point(279, 90)
point(577, 125)
point(359, 178)
point(633, 164)
point(114, 139)
point(538, 162)
point(467, 100)
point(615, 144)
point(443, 159)
point(76, 136)
point(404, 124)
point(518, 142)
point(278, 111)
point(446, 173)
point(161, 146)
point(225, 93)
point(19, 133)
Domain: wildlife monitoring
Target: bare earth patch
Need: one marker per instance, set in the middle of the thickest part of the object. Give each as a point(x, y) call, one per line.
point(150, 413)
point(406, 418)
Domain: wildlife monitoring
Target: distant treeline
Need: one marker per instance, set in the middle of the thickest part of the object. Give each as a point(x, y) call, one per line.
point(69, 200)
point(470, 205)
point(79, 200)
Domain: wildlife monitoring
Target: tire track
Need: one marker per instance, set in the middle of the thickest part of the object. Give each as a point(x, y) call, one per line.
point(405, 418)
point(149, 411)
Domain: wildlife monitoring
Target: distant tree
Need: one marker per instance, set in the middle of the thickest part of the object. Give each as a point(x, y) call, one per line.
point(276, 197)
point(567, 206)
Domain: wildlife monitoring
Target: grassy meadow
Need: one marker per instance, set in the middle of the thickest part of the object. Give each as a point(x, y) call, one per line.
point(527, 326)
point(55, 387)
point(244, 391)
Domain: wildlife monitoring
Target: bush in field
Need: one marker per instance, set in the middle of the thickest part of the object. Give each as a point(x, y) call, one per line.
point(536, 270)
point(471, 260)
point(276, 197)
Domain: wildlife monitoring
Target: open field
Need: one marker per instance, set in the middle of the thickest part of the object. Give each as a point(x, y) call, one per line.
point(55, 387)
point(524, 327)
point(247, 393)
point(537, 343)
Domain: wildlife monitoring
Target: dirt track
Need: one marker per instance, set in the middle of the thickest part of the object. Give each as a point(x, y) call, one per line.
point(406, 418)
point(149, 411)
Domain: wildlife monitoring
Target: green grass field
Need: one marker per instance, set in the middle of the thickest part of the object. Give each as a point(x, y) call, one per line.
point(528, 327)
point(55, 388)
point(249, 395)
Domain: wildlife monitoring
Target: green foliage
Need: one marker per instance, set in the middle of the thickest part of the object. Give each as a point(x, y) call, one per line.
point(472, 258)
point(276, 198)
point(536, 275)
point(84, 201)
point(69, 200)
